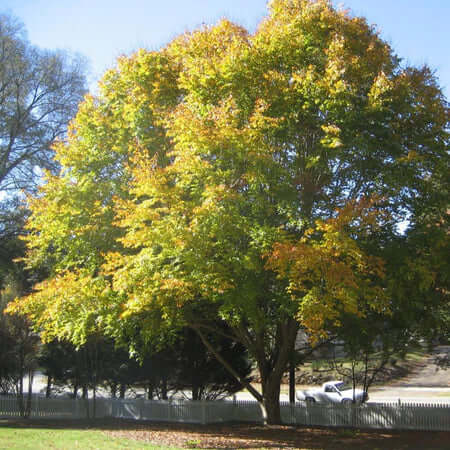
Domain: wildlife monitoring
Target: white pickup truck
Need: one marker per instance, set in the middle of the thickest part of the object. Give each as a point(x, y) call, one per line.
point(332, 392)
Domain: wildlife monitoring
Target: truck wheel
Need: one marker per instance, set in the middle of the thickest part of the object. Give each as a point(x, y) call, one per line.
point(347, 401)
point(310, 400)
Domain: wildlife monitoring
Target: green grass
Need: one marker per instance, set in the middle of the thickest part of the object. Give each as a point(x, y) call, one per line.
point(49, 439)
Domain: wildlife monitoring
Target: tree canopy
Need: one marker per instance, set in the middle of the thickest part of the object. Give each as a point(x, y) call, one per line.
point(245, 177)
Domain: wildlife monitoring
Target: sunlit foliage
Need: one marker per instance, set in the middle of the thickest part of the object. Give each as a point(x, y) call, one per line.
point(242, 177)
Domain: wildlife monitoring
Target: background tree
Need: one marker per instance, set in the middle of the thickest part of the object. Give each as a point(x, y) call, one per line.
point(180, 362)
point(18, 350)
point(12, 220)
point(119, 371)
point(56, 359)
point(204, 173)
point(198, 370)
point(85, 368)
point(39, 94)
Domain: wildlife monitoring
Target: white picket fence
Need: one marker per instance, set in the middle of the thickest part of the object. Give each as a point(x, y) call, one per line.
point(372, 415)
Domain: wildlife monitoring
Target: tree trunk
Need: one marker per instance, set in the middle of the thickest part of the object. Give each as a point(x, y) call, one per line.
point(150, 391)
point(271, 399)
point(272, 407)
point(94, 401)
point(271, 368)
point(195, 392)
point(30, 392)
point(48, 389)
point(292, 379)
point(164, 389)
point(85, 391)
point(20, 387)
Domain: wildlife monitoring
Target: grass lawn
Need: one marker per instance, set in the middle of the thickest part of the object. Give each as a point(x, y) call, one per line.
point(113, 434)
point(41, 438)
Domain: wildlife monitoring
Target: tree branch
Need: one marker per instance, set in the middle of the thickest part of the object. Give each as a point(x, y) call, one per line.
point(227, 366)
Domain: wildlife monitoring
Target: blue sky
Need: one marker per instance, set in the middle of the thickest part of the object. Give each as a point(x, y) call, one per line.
point(418, 30)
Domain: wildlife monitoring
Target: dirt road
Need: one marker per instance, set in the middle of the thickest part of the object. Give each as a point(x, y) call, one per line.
point(427, 383)
point(429, 374)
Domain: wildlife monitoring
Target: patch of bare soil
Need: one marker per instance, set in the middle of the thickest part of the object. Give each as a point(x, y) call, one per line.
point(251, 436)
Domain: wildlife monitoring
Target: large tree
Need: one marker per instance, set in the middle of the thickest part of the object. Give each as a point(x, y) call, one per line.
point(242, 177)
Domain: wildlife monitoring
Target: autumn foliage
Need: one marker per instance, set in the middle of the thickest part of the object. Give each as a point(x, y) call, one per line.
point(329, 273)
point(238, 176)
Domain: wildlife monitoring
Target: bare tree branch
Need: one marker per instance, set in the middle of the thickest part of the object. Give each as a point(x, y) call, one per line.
point(39, 94)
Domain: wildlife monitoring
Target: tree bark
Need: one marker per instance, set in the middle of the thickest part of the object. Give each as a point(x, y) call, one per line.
point(150, 391)
point(195, 393)
point(272, 366)
point(30, 391)
point(48, 389)
point(271, 394)
point(85, 391)
point(292, 379)
point(164, 395)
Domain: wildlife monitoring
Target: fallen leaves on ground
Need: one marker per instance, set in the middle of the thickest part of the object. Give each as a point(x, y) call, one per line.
point(251, 436)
